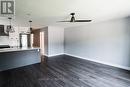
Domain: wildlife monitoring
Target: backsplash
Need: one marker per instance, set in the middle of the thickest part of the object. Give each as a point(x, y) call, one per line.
point(13, 38)
point(4, 40)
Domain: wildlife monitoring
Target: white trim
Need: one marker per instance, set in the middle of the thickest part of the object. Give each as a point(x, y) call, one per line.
point(101, 62)
point(54, 55)
point(105, 63)
point(46, 55)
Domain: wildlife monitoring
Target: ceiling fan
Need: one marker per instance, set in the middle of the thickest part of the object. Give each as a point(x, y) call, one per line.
point(74, 20)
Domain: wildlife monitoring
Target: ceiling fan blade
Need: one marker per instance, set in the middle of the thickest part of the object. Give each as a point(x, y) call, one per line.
point(83, 20)
point(63, 21)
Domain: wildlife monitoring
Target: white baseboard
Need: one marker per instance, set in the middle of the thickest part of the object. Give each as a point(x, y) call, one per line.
point(55, 55)
point(101, 62)
point(45, 55)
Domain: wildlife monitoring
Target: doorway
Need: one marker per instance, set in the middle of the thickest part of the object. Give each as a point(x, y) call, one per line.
point(40, 39)
point(42, 47)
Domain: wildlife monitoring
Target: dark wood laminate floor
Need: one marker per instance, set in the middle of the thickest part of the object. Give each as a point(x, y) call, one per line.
point(65, 71)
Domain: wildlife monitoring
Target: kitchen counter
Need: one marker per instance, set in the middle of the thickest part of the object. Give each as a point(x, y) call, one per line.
point(13, 49)
point(15, 57)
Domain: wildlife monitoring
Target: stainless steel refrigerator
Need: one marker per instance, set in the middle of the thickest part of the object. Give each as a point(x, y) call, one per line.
point(25, 40)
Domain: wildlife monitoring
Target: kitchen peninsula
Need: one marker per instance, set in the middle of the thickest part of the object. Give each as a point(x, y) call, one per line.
point(17, 57)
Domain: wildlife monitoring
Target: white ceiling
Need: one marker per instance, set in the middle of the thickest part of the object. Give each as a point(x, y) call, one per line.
point(48, 12)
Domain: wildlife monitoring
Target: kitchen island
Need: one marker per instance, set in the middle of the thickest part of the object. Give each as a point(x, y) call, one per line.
point(17, 57)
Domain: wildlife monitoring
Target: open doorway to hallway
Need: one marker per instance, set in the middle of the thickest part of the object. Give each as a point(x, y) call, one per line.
point(42, 42)
point(40, 39)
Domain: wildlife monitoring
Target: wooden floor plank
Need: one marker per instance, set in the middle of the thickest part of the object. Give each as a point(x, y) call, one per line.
point(65, 71)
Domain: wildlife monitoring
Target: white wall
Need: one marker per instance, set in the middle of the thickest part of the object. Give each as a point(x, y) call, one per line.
point(106, 42)
point(55, 40)
point(45, 30)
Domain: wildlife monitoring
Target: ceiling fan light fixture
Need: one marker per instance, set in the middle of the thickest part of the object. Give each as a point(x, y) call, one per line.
point(74, 20)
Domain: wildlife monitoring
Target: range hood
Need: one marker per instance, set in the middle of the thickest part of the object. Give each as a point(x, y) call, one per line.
point(2, 31)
